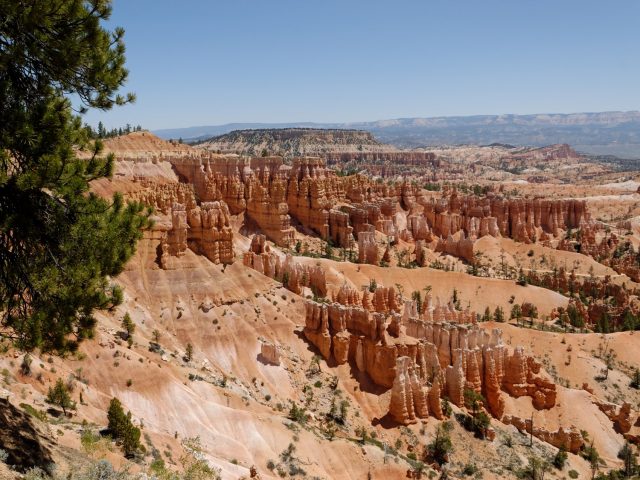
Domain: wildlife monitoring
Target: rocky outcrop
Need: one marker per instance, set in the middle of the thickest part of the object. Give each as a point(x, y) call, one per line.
point(517, 218)
point(347, 295)
point(182, 223)
point(340, 230)
point(24, 445)
point(408, 398)
point(403, 349)
point(458, 246)
point(294, 276)
point(368, 248)
point(435, 398)
point(569, 438)
point(455, 382)
point(266, 199)
point(176, 238)
point(269, 353)
point(316, 328)
point(521, 379)
point(491, 385)
point(309, 194)
point(257, 187)
point(620, 415)
point(210, 232)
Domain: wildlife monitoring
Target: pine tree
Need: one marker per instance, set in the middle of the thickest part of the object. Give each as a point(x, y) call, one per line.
point(438, 450)
point(59, 395)
point(122, 428)
point(516, 313)
point(59, 244)
point(128, 325)
point(130, 438)
point(116, 418)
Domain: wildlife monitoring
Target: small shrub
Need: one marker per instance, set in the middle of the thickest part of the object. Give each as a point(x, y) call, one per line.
point(470, 469)
point(297, 414)
point(188, 356)
point(25, 366)
point(560, 458)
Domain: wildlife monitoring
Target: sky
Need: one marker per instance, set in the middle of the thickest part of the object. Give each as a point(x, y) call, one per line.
point(211, 62)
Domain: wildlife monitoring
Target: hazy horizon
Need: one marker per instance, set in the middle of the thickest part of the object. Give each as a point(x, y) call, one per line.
point(417, 117)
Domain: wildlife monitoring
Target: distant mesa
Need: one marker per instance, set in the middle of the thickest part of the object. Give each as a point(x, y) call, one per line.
point(601, 133)
point(294, 142)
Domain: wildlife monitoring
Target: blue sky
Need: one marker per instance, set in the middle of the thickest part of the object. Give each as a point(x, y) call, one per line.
point(200, 62)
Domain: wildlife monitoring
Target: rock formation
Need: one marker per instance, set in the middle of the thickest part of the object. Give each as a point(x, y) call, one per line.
point(569, 438)
point(294, 276)
point(269, 353)
point(182, 223)
point(210, 233)
point(517, 218)
point(411, 352)
point(408, 398)
point(367, 248)
point(620, 415)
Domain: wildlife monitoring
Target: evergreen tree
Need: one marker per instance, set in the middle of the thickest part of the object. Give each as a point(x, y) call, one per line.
point(498, 314)
point(438, 450)
point(122, 428)
point(128, 325)
point(130, 438)
point(629, 459)
point(516, 313)
point(116, 418)
point(629, 321)
point(59, 243)
point(59, 395)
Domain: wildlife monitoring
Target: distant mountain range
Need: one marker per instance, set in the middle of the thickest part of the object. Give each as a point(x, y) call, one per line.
point(603, 133)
